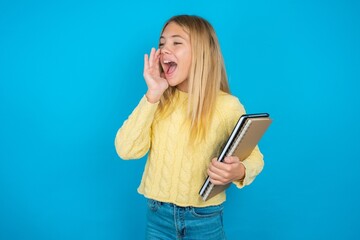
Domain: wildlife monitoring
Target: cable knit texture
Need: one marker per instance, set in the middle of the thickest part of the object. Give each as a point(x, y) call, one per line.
point(174, 171)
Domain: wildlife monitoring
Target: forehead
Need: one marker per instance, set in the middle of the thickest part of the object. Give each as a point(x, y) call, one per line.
point(174, 30)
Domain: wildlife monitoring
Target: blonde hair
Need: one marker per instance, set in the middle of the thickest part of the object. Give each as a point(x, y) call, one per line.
point(206, 77)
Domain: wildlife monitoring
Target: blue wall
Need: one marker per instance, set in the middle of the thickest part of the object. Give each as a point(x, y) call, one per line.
point(71, 72)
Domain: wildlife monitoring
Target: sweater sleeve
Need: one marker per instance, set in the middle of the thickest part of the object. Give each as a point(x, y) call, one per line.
point(133, 139)
point(253, 166)
point(254, 162)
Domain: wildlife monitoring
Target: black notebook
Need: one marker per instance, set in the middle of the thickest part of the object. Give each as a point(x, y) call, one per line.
point(241, 142)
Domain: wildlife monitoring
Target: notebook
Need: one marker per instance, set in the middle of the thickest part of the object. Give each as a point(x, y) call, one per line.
point(242, 141)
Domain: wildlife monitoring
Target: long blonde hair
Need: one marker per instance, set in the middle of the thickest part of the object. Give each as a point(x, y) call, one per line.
point(207, 74)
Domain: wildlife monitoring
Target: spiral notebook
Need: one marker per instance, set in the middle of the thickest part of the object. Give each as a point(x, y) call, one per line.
point(245, 136)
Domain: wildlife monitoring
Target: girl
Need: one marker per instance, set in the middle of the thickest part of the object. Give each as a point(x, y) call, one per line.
point(183, 119)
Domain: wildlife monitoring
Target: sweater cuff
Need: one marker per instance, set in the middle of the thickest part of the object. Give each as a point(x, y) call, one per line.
point(245, 181)
point(147, 108)
point(144, 101)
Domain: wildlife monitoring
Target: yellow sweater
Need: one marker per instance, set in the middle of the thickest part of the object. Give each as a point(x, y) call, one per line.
point(174, 171)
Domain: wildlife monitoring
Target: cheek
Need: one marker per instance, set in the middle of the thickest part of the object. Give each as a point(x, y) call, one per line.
point(185, 54)
point(187, 57)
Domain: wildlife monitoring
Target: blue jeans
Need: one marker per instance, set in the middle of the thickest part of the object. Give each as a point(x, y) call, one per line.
point(169, 221)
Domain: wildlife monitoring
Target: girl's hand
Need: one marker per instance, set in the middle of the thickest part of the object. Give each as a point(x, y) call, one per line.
point(156, 83)
point(222, 173)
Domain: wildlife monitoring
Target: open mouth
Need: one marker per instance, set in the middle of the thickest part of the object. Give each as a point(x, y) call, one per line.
point(169, 67)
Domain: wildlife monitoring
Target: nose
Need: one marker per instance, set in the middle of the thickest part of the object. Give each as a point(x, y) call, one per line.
point(165, 50)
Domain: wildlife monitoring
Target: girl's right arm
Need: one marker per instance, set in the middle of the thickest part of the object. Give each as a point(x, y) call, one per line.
point(133, 139)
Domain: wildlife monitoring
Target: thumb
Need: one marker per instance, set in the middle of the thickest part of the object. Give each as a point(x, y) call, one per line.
point(231, 159)
point(162, 74)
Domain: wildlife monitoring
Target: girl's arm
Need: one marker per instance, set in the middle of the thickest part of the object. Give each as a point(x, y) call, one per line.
point(134, 137)
point(253, 166)
point(232, 170)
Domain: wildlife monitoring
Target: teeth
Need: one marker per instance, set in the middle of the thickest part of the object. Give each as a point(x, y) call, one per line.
point(167, 61)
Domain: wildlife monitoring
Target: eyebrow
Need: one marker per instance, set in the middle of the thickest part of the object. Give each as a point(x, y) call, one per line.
point(173, 36)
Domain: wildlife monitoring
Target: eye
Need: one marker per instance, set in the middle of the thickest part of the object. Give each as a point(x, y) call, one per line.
point(177, 43)
point(161, 45)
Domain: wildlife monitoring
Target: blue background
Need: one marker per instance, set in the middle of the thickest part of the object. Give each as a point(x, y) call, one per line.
point(71, 73)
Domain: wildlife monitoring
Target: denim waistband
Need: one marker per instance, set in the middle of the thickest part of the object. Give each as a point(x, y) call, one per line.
point(177, 206)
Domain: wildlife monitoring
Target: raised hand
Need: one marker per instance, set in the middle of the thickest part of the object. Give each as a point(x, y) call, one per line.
point(155, 82)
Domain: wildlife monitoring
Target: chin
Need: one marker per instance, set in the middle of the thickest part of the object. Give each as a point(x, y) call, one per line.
point(172, 83)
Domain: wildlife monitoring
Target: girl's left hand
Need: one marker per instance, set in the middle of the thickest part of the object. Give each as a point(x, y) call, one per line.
point(222, 173)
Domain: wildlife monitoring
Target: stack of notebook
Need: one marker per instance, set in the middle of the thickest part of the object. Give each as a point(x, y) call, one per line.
point(242, 141)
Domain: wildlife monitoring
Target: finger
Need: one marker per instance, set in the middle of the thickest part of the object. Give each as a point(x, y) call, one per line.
point(213, 175)
point(146, 62)
point(162, 74)
point(231, 159)
point(218, 171)
point(157, 60)
point(216, 179)
point(152, 55)
point(157, 53)
point(220, 165)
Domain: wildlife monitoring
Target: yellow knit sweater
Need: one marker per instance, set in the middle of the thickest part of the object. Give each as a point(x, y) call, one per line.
point(175, 171)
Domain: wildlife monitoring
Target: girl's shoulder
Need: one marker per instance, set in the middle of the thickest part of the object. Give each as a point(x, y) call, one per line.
point(226, 102)
point(228, 109)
